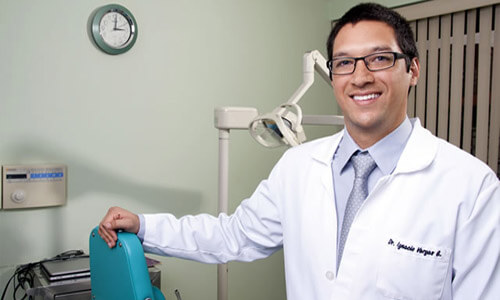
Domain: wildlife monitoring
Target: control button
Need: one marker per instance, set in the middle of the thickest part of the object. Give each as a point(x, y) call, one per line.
point(330, 275)
point(18, 196)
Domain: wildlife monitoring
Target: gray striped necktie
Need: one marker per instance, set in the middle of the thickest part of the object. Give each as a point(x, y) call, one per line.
point(363, 165)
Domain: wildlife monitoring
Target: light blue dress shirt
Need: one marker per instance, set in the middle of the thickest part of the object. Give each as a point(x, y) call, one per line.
point(385, 152)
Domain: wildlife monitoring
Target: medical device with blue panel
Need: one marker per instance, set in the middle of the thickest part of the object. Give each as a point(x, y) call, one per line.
point(28, 186)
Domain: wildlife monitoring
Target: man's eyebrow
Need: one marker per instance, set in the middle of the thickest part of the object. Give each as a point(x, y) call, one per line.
point(372, 50)
point(381, 48)
point(339, 54)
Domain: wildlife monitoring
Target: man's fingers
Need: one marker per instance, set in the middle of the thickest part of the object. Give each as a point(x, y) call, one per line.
point(108, 226)
point(108, 235)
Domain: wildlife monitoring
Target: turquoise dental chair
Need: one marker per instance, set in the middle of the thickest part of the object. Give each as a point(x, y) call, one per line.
point(120, 273)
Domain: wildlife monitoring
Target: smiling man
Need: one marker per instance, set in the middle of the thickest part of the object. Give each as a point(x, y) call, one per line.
point(381, 210)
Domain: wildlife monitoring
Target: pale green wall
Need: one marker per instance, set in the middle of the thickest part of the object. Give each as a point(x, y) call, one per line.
point(136, 130)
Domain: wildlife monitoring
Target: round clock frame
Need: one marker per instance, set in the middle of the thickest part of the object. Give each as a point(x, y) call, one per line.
point(114, 29)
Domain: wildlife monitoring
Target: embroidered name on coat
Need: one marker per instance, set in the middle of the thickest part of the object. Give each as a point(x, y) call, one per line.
point(400, 246)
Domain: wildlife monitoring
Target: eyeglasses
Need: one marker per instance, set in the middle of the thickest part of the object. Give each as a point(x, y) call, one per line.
point(373, 62)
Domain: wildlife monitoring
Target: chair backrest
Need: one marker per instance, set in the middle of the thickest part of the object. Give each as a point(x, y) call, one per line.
point(120, 272)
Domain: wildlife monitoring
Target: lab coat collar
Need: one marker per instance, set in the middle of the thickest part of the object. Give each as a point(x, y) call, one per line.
point(324, 151)
point(420, 150)
point(418, 153)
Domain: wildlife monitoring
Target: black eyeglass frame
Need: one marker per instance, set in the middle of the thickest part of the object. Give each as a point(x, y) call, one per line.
point(397, 56)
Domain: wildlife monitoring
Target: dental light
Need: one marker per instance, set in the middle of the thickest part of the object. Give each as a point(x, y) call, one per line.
point(283, 125)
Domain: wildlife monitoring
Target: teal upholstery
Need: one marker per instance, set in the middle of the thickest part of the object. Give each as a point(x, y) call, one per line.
point(121, 272)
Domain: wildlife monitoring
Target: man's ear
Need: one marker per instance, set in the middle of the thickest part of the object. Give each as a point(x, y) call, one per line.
point(414, 71)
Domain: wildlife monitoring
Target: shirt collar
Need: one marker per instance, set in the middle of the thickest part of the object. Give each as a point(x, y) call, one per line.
point(385, 152)
point(345, 150)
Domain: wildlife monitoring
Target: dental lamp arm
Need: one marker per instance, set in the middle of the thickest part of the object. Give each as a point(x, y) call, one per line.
point(312, 61)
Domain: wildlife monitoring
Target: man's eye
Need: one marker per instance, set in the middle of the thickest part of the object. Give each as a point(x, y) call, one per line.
point(380, 58)
point(342, 63)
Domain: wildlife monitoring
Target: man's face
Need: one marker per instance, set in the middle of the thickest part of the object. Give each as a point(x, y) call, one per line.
point(373, 103)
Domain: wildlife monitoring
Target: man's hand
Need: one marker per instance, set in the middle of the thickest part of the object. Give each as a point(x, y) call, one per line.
point(117, 218)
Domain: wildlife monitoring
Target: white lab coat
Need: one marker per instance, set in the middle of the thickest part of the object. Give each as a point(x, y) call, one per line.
point(430, 230)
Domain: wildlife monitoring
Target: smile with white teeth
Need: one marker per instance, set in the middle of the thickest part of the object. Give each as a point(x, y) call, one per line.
point(366, 97)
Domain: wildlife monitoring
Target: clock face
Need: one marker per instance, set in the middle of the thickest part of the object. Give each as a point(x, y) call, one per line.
point(115, 29)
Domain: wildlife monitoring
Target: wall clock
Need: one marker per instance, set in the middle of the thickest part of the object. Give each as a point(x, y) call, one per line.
point(114, 29)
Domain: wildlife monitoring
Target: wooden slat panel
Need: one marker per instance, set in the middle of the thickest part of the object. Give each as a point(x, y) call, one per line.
point(422, 82)
point(457, 54)
point(432, 76)
point(469, 81)
point(444, 78)
point(411, 97)
point(440, 7)
point(483, 84)
point(495, 98)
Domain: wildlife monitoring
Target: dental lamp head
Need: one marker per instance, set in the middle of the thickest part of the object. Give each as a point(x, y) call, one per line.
point(280, 127)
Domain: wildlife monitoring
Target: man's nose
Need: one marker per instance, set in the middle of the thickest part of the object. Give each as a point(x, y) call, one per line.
point(361, 75)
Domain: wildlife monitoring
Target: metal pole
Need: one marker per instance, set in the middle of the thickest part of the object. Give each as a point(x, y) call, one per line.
point(222, 269)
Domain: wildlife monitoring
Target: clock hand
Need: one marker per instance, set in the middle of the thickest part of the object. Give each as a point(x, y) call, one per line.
point(120, 28)
point(116, 21)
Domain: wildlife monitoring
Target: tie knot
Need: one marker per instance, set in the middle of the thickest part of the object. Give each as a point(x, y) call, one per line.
point(363, 164)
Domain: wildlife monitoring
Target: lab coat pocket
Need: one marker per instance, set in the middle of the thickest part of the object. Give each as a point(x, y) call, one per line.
point(412, 271)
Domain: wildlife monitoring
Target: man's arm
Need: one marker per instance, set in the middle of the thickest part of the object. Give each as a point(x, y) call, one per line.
point(252, 232)
point(476, 262)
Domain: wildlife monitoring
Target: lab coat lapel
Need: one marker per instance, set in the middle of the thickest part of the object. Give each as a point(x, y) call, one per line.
point(323, 154)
